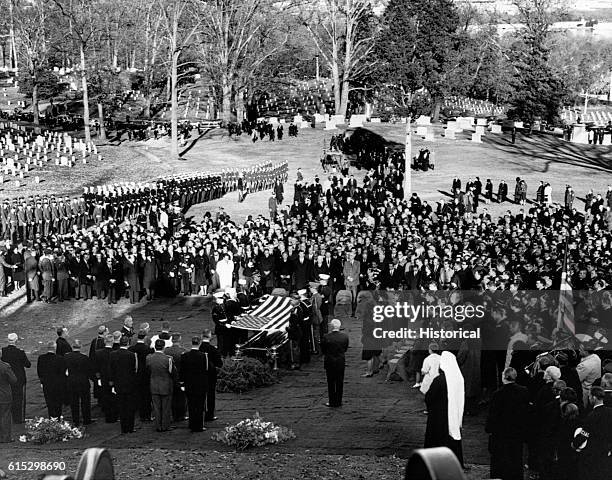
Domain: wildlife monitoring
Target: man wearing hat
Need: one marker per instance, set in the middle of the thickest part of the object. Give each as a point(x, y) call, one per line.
point(294, 332)
point(219, 318)
point(316, 317)
point(334, 346)
point(18, 361)
point(306, 336)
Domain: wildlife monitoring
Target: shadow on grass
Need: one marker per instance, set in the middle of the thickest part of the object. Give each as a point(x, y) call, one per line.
point(554, 150)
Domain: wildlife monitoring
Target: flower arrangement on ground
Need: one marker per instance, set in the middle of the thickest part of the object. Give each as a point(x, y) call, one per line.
point(49, 430)
point(243, 375)
point(253, 432)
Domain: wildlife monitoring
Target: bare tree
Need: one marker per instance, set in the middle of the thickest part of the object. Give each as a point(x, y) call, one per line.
point(150, 26)
point(33, 47)
point(180, 24)
point(82, 18)
point(339, 31)
point(236, 38)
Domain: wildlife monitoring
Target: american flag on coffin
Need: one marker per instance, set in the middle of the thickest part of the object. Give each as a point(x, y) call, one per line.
point(272, 314)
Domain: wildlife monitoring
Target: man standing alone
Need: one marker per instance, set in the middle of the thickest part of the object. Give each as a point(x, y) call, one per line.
point(162, 374)
point(506, 426)
point(79, 370)
point(334, 345)
point(194, 377)
point(214, 361)
point(124, 379)
point(52, 374)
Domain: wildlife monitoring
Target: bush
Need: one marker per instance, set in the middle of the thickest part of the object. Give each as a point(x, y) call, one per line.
point(49, 430)
point(244, 375)
point(253, 432)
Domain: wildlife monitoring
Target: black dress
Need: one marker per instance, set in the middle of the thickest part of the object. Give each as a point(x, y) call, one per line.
point(436, 432)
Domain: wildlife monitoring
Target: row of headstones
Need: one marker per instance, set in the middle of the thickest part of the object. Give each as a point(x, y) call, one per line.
point(18, 104)
point(14, 165)
point(477, 108)
point(457, 126)
point(298, 120)
point(594, 116)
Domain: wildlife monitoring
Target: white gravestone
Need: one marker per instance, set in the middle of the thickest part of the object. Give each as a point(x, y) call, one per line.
point(357, 120)
point(421, 131)
point(319, 118)
point(476, 138)
point(423, 120)
point(496, 128)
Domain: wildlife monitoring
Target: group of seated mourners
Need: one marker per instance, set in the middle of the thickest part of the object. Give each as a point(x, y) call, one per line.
point(345, 235)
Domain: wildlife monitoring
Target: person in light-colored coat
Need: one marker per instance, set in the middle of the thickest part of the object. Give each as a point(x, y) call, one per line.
point(162, 374)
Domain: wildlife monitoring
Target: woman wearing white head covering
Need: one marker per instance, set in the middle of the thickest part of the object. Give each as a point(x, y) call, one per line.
point(445, 400)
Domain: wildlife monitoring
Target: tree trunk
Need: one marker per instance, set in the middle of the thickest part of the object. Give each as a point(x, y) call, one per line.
point(226, 115)
point(435, 112)
point(240, 107)
point(102, 135)
point(212, 104)
point(146, 111)
point(85, 95)
point(13, 45)
point(35, 111)
point(174, 106)
point(337, 89)
point(344, 98)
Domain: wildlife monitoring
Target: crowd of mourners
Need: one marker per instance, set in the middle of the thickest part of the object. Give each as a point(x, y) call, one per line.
point(115, 240)
point(342, 236)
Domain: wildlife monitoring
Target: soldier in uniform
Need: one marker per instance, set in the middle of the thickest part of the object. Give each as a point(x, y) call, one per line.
point(29, 213)
point(47, 218)
point(38, 219)
point(22, 222)
point(294, 332)
point(83, 212)
point(55, 216)
point(219, 318)
point(4, 219)
point(63, 217)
